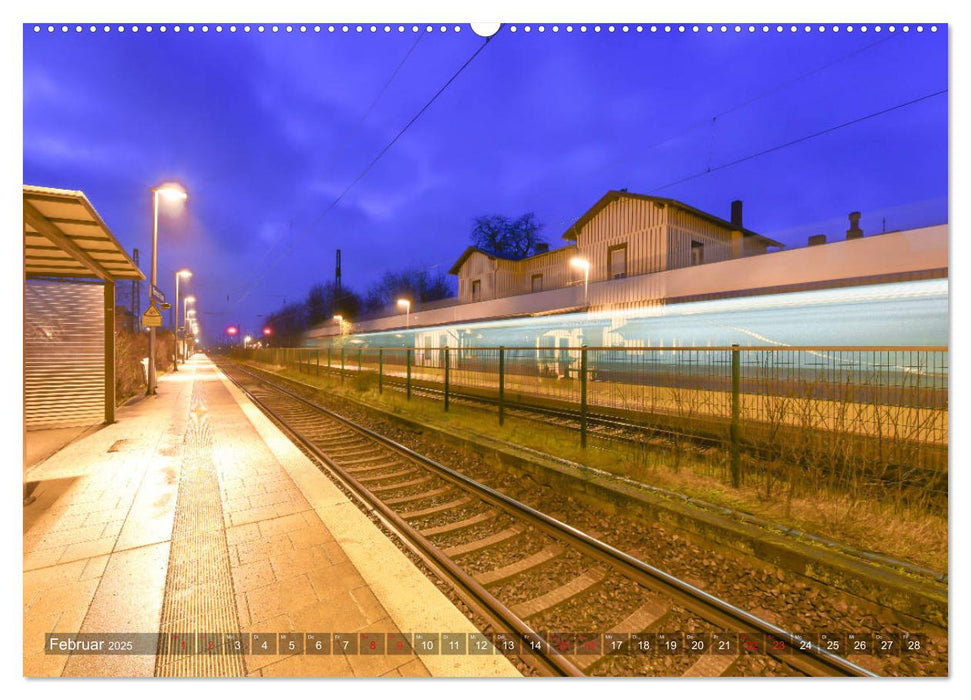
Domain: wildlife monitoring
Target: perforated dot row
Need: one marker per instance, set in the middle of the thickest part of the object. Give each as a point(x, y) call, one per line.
point(555, 28)
point(723, 28)
point(246, 28)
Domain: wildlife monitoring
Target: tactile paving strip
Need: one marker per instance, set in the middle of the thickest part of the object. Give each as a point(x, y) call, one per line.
point(198, 604)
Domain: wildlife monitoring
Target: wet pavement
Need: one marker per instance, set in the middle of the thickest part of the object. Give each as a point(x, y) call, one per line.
point(194, 514)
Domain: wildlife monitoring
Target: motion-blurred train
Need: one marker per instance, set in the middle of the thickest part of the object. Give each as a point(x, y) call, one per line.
point(895, 314)
point(883, 290)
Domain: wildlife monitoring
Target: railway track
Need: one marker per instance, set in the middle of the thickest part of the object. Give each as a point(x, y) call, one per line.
point(563, 602)
point(610, 428)
point(599, 424)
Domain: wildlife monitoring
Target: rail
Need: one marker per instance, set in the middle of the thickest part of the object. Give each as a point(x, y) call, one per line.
point(878, 405)
point(799, 653)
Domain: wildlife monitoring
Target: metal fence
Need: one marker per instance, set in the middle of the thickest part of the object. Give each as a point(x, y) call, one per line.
point(886, 405)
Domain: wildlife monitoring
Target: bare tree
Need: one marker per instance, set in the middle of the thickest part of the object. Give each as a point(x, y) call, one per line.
point(322, 303)
point(513, 239)
point(288, 323)
point(418, 284)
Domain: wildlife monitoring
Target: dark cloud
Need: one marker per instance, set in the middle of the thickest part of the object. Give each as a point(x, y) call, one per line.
point(265, 130)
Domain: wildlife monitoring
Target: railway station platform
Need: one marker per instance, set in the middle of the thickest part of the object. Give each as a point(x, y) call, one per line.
point(194, 517)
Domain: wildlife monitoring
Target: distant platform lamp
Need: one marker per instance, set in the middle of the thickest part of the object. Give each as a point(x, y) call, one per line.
point(406, 305)
point(175, 309)
point(584, 265)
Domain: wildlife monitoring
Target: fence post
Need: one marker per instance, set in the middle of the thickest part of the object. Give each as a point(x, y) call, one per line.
point(359, 351)
point(446, 378)
point(328, 357)
point(380, 370)
point(583, 396)
point(736, 412)
point(342, 364)
point(408, 374)
point(502, 384)
point(318, 362)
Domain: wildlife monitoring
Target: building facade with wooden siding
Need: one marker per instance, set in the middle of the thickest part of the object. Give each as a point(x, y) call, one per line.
point(622, 235)
point(899, 256)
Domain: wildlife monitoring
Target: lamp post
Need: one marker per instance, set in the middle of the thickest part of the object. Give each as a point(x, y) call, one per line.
point(195, 337)
point(406, 305)
point(175, 308)
point(172, 193)
point(186, 300)
point(583, 264)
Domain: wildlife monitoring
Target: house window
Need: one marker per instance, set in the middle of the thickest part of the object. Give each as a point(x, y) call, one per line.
point(697, 253)
point(617, 261)
point(476, 290)
point(537, 283)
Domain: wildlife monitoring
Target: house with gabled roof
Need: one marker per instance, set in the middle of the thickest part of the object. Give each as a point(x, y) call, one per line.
point(622, 235)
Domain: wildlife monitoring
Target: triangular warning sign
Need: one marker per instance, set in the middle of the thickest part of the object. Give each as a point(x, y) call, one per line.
point(152, 318)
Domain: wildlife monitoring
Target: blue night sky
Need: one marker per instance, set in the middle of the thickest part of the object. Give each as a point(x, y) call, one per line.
point(265, 130)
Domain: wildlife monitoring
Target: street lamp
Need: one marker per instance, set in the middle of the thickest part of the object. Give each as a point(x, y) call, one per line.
point(188, 299)
point(175, 309)
point(583, 264)
point(406, 305)
point(170, 192)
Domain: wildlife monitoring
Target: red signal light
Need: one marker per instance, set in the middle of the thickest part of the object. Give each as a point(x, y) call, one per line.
point(268, 331)
point(232, 330)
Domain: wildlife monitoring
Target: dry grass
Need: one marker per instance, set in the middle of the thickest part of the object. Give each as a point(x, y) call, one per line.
point(881, 520)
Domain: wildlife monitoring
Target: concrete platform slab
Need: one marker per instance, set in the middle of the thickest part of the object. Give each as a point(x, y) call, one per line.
point(194, 513)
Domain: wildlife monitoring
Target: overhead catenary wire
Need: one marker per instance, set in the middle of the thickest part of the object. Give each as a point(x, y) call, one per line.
point(712, 120)
point(801, 139)
point(345, 139)
point(377, 98)
point(367, 168)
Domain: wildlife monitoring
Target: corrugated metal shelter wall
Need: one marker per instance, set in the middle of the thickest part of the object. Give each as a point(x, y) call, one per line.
point(64, 371)
point(686, 227)
point(639, 224)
